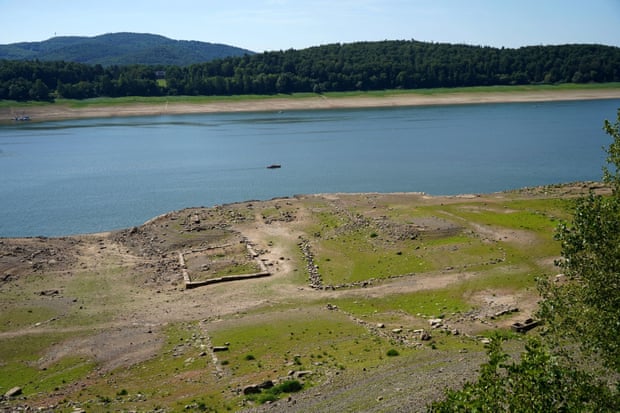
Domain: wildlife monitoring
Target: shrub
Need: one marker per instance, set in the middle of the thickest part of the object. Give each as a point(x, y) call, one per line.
point(271, 395)
point(289, 386)
point(393, 353)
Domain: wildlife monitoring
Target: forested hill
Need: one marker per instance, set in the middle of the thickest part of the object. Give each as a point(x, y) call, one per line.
point(401, 64)
point(336, 67)
point(120, 49)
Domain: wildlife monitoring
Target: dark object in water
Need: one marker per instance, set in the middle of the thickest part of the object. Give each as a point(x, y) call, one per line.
point(274, 166)
point(525, 326)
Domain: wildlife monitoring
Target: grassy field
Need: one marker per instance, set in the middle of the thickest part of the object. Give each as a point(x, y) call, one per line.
point(105, 323)
point(162, 100)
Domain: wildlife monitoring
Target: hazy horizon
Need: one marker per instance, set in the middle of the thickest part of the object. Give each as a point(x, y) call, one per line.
point(268, 25)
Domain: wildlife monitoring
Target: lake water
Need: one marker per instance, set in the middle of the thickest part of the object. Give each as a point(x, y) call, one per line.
point(82, 176)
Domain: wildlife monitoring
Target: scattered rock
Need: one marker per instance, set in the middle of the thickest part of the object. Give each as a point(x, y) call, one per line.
point(220, 348)
point(504, 312)
point(424, 336)
point(266, 384)
point(251, 389)
point(13, 392)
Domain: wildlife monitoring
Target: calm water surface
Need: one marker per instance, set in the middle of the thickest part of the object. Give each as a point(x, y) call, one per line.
point(82, 176)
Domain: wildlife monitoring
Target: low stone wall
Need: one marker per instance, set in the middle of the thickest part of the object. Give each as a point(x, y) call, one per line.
point(194, 284)
point(189, 284)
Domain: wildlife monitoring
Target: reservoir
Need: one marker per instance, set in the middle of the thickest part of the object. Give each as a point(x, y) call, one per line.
point(83, 176)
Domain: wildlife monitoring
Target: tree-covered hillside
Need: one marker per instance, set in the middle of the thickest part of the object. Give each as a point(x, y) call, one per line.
point(398, 64)
point(336, 67)
point(120, 49)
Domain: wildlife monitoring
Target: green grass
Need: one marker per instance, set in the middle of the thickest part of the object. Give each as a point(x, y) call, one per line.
point(354, 256)
point(236, 269)
point(453, 298)
point(167, 379)
point(311, 338)
point(334, 95)
point(348, 253)
point(515, 215)
point(358, 256)
point(324, 222)
point(19, 364)
point(18, 106)
point(274, 393)
point(428, 303)
point(20, 316)
point(296, 332)
point(102, 288)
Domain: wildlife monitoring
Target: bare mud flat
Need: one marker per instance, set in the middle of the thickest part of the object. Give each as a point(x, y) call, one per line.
point(62, 111)
point(104, 321)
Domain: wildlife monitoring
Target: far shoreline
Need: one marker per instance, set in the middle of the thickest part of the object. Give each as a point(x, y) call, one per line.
point(63, 111)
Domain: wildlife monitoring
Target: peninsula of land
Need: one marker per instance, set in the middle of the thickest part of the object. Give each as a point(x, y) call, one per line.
point(59, 111)
point(381, 299)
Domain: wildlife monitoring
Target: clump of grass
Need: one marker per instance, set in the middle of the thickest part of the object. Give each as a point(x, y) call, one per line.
point(392, 353)
point(272, 394)
point(249, 357)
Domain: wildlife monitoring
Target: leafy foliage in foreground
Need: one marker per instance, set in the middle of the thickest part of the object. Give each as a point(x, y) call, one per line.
point(587, 307)
point(538, 383)
point(584, 309)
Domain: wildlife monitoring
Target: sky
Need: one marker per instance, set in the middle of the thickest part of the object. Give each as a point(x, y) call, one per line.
point(268, 25)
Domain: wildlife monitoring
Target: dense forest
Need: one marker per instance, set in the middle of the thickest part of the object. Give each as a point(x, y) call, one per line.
point(336, 67)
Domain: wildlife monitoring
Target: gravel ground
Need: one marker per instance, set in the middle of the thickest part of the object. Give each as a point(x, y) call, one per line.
point(405, 386)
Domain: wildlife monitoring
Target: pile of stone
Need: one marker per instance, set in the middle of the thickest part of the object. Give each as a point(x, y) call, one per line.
point(316, 281)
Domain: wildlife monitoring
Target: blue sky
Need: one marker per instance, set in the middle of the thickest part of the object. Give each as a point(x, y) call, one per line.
point(261, 25)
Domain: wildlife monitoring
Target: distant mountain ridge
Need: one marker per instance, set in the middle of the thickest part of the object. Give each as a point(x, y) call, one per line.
point(120, 49)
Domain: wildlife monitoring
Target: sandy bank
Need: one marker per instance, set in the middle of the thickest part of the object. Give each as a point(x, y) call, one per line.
point(58, 111)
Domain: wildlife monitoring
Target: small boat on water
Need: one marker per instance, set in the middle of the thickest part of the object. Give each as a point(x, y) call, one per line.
point(274, 166)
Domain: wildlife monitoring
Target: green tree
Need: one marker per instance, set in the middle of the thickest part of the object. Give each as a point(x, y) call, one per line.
point(586, 308)
point(539, 382)
point(39, 91)
point(582, 312)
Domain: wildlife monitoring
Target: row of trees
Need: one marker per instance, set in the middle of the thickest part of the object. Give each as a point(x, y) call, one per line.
point(575, 365)
point(336, 67)
point(44, 81)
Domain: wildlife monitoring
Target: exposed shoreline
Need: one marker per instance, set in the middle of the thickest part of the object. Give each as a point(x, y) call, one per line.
point(61, 111)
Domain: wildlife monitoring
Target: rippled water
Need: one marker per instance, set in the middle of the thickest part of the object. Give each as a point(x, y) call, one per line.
point(82, 176)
